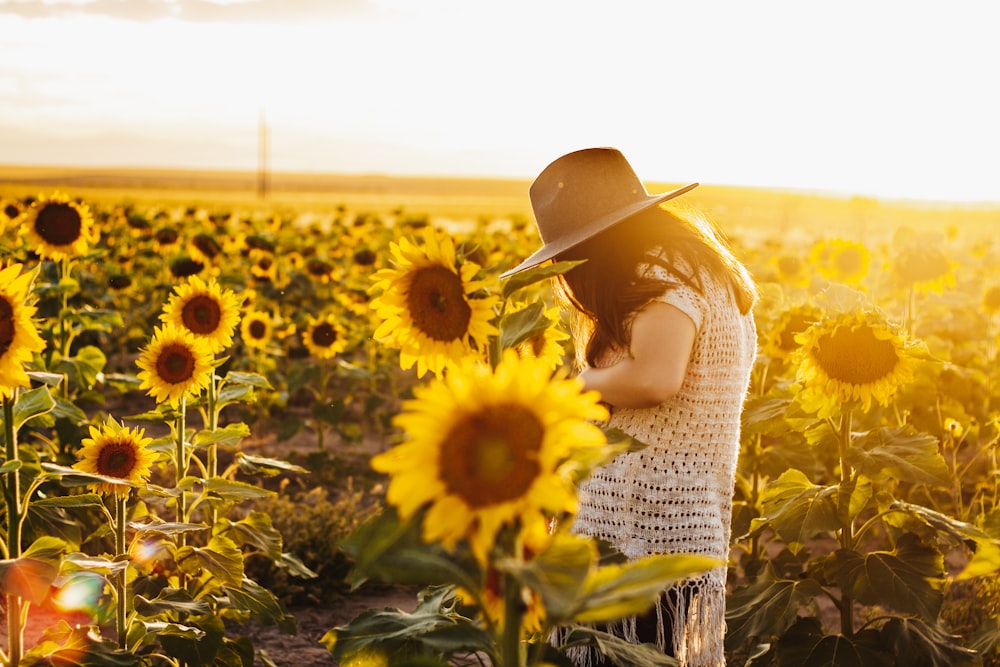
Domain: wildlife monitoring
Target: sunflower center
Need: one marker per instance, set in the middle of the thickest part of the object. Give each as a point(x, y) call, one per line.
point(7, 328)
point(201, 314)
point(257, 329)
point(849, 262)
point(116, 459)
point(856, 356)
point(436, 302)
point(491, 456)
point(59, 224)
point(175, 364)
point(324, 334)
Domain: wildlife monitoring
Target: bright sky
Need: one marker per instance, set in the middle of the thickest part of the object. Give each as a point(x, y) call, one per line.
point(885, 98)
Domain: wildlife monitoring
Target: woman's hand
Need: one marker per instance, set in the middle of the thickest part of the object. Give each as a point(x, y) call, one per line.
point(662, 340)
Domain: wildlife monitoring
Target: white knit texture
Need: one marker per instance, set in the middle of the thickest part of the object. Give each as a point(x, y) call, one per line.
point(675, 496)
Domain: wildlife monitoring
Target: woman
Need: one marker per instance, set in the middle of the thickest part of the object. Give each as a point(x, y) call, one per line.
point(663, 330)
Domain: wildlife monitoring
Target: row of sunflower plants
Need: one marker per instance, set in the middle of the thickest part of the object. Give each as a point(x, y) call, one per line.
point(866, 503)
point(143, 537)
point(482, 488)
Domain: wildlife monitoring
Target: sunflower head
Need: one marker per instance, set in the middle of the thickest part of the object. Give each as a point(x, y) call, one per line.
point(19, 339)
point(780, 340)
point(114, 450)
point(841, 260)
point(176, 364)
point(325, 338)
point(256, 329)
point(851, 359)
point(430, 306)
point(923, 265)
point(206, 310)
point(491, 449)
point(59, 228)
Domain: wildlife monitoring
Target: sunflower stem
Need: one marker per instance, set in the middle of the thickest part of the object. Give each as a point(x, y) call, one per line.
point(121, 516)
point(510, 633)
point(213, 426)
point(12, 491)
point(180, 463)
point(847, 530)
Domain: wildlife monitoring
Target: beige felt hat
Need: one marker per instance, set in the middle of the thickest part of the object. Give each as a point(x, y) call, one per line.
point(581, 194)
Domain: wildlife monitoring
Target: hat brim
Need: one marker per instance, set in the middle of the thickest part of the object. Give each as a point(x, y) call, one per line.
point(550, 250)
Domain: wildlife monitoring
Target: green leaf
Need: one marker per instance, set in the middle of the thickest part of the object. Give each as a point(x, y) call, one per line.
point(900, 453)
point(383, 548)
point(247, 379)
point(797, 509)
point(32, 403)
point(232, 490)
point(28, 578)
point(11, 466)
point(227, 436)
point(915, 642)
point(47, 548)
point(76, 647)
point(262, 605)
point(618, 651)
point(767, 607)
point(294, 566)
point(907, 579)
point(558, 573)
point(432, 628)
point(171, 600)
point(221, 558)
point(176, 630)
point(521, 325)
point(70, 477)
point(255, 529)
point(804, 645)
point(84, 369)
point(99, 320)
point(251, 464)
point(96, 564)
point(852, 498)
point(72, 502)
point(614, 591)
point(47, 379)
point(762, 413)
point(165, 528)
point(536, 275)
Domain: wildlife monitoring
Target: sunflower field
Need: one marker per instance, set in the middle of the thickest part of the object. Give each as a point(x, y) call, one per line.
point(142, 347)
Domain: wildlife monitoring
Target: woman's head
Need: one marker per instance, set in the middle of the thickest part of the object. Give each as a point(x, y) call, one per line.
point(613, 283)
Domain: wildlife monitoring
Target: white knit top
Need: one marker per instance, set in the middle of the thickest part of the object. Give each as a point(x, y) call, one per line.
point(675, 496)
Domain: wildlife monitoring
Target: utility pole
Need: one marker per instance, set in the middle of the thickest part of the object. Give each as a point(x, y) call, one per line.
point(263, 168)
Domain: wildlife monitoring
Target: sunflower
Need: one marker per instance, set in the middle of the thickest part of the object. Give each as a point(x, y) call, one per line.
point(256, 329)
point(59, 228)
point(780, 342)
point(488, 449)
point(175, 364)
point(115, 450)
point(850, 358)
point(324, 337)
point(427, 308)
point(548, 343)
point(790, 270)
point(206, 310)
point(11, 212)
point(924, 266)
point(841, 260)
point(19, 339)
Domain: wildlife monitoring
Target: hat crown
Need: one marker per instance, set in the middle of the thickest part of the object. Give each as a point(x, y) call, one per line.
point(582, 187)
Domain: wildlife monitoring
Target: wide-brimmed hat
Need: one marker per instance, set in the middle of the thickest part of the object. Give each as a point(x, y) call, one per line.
point(581, 194)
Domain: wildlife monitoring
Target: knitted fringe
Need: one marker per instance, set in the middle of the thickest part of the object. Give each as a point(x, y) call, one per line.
point(697, 609)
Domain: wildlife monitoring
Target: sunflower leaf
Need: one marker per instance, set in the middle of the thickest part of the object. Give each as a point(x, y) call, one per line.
point(521, 325)
point(32, 403)
point(221, 558)
point(798, 509)
point(171, 599)
point(901, 453)
point(28, 578)
point(250, 464)
point(70, 477)
point(535, 275)
point(227, 436)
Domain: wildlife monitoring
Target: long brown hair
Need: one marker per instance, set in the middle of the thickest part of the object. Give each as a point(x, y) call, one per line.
point(612, 285)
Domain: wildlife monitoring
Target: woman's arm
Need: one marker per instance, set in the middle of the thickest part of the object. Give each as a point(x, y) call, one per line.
point(662, 339)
